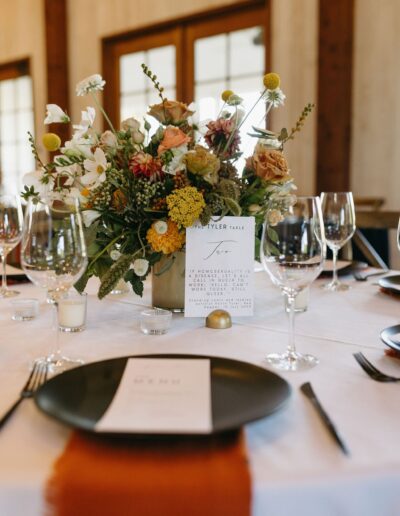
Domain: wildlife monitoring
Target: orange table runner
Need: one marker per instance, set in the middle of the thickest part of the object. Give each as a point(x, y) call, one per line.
point(104, 477)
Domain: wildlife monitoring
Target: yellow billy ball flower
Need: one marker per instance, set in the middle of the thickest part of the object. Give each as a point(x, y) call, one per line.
point(271, 81)
point(51, 141)
point(226, 94)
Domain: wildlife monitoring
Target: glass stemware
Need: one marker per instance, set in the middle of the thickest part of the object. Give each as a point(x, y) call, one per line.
point(11, 219)
point(340, 224)
point(292, 253)
point(53, 254)
point(398, 236)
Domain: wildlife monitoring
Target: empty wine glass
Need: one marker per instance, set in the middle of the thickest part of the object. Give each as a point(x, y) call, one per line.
point(53, 254)
point(340, 224)
point(11, 219)
point(398, 236)
point(292, 253)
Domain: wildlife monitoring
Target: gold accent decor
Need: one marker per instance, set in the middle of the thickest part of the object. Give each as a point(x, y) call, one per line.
point(219, 320)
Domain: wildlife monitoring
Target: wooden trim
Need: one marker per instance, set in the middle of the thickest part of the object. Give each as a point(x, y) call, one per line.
point(334, 94)
point(55, 12)
point(377, 219)
point(14, 69)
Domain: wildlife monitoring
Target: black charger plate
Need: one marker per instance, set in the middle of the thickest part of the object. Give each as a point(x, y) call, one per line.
point(240, 392)
point(391, 283)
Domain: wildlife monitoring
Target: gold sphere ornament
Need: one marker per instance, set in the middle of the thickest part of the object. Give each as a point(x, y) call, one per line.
point(219, 320)
point(226, 94)
point(271, 81)
point(51, 141)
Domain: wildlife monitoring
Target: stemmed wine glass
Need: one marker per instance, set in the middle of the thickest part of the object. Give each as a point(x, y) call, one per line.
point(11, 219)
point(53, 254)
point(340, 224)
point(398, 236)
point(292, 253)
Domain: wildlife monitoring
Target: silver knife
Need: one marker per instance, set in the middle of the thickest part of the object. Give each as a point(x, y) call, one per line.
point(308, 391)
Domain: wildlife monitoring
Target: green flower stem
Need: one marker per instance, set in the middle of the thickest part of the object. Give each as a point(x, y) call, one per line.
point(107, 247)
point(104, 113)
point(254, 105)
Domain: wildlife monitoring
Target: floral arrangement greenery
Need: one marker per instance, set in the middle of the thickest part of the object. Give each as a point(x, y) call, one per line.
point(139, 190)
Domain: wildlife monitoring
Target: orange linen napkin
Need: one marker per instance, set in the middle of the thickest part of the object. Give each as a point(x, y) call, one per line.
point(111, 477)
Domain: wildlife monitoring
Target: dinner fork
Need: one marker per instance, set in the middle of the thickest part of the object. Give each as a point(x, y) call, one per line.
point(36, 378)
point(359, 276)
point(372, 371)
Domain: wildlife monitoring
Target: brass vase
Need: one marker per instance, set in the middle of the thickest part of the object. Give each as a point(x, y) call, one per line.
point(168, 282)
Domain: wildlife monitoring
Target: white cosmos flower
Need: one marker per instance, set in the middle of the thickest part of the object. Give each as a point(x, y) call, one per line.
point(140, 266)
point(177, 162)
point(96, 169)
point(275, 97)
point(70, 172)
point(89, 216)
point(35, 179)
point(92, 83)
point(54, 114)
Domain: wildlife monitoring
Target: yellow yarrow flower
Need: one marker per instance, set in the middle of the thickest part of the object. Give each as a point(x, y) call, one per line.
point(169, 242)
point(51, 141)
point(226, 94)
point(185, 206)
point(271, 81)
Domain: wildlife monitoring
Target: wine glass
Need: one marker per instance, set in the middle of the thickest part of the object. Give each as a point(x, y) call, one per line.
point(10, 234)
point(398, 236)
point(340, 224)
point(53, 254)
point(292, 253)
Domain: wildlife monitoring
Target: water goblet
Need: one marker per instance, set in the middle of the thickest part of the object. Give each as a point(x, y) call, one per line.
point(53, 255)
point(292, 253)
point(11, 219)
point(340, 225)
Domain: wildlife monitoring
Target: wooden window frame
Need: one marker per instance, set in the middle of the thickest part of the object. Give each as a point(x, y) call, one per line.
point(182, 33)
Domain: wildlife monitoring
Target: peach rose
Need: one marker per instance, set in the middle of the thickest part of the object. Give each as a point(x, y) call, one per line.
point(268, 164)
point(170, 112)
point(173, 137)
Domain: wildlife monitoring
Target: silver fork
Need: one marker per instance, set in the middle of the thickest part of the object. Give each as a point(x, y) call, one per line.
point(36, 378)
point(372, 371)
point(359, 276)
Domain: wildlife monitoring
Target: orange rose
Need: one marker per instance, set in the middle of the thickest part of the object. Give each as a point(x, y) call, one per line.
point(170, 112)
point(173, 137)
point(268, 164)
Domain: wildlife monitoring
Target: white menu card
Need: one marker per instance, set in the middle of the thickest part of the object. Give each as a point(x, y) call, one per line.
point(161, 395)
point(219, 267)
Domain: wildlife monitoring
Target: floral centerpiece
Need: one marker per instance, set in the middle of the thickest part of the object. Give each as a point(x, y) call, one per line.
point(140, 189)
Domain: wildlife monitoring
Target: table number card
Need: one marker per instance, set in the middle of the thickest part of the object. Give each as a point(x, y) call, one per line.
point(161, 395)
point(219, 267)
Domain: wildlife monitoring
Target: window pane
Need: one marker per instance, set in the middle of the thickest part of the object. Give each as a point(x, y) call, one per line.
point(8, 129)
point(8, 156)
point(24, 124)
point(208, 101)
point(131, 77)
point(153, 97)
point(247, 52)
point(133, 105)
point(24, 92)
point(7, 95)
point(161, 61)
point(210, 58)
point(26, 162)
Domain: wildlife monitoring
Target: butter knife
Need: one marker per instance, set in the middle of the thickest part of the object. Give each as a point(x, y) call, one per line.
point(308, 391)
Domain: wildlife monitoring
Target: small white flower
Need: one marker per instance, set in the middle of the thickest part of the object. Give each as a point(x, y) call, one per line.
point(89, 216)
point(161, 227)
point(92, 83)
point(109, 139)
point(140, 266)
point(54, 115)
point(275, 97)
point(130, 124)
point(115, 255)
point(41, 183)
point(177, 162)
point(96, 168)
point(234, 100)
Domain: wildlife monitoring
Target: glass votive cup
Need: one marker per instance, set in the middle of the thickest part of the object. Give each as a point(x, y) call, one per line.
point(155, 321)
point(300, 302)
point(25, 309)
point(120, 288)
point(72, 312)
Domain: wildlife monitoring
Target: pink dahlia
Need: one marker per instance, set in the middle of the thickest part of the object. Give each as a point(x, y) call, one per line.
point(146, 166)
point(222, 136)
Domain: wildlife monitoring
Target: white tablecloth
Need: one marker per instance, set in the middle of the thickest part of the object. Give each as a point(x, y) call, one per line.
point(296, 467)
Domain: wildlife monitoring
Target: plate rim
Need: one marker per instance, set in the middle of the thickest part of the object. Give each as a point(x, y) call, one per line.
point(136, 435)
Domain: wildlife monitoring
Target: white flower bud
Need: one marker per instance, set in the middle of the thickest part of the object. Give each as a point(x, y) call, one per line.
point(115, 255)
point(137, 137)
point(130, 124)
point(161, 227)
point(140, 266)
point(109, 139)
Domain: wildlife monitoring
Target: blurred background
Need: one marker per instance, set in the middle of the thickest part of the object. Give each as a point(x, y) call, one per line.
point(342, 55)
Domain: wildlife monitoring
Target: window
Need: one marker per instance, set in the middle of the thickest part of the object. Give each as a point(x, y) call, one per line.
point(195, 60)
point(16, 119)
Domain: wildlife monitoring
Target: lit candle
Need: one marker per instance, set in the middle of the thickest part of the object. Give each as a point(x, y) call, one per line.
point(72, 313)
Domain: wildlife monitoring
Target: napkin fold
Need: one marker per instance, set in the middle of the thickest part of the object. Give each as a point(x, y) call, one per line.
point(180, 477)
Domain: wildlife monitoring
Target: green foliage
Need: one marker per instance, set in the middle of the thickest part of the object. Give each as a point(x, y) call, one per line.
point(114, 274)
